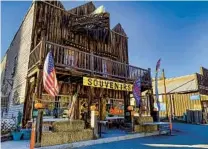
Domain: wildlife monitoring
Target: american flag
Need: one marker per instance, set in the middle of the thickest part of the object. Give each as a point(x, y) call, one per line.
point(49, 76)
point(158, 65)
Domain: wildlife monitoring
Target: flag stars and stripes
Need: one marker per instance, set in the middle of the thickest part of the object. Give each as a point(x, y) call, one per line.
point(49, 76)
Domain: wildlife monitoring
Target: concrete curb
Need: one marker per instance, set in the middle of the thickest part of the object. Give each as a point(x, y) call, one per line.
point(100, 141)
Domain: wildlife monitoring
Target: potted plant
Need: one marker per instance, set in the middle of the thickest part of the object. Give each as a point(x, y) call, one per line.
point(27, 131)
point(17, 134)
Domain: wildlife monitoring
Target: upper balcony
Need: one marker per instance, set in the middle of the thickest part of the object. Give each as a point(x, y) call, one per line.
point(71, 59)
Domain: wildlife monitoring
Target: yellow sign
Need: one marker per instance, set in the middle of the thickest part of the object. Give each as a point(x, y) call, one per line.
point(106, 84)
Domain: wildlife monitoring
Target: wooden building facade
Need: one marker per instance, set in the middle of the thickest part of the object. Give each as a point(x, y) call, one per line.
point(83, 46)
point(183, 93)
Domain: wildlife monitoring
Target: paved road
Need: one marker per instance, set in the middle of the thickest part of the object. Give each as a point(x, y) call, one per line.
point(187, 136)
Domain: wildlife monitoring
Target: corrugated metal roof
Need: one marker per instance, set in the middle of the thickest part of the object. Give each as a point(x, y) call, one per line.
point(178, 84)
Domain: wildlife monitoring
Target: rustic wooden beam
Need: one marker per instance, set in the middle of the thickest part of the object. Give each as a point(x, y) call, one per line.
point(32, 72)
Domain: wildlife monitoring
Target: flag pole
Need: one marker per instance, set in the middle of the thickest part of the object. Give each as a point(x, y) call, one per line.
point(156, 89)
point(156, 93)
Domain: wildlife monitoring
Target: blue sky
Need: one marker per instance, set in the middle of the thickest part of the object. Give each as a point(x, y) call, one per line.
point(176, 32)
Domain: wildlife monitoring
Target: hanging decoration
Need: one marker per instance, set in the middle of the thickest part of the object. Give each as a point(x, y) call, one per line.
point(137, 91)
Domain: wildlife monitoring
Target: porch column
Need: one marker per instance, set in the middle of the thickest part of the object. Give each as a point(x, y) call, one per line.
point(127, 114)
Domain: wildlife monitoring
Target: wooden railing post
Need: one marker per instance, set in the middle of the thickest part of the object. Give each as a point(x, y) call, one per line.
point(42, 50)
point(92, 63)
point(126, 69)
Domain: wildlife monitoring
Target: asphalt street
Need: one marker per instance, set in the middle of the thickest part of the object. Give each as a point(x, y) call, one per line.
point(184, 136)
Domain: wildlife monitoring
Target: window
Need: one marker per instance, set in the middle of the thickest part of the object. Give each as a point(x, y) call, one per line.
point(14, 68)
point(4, 88)
point(16, 99)
point(4, 102)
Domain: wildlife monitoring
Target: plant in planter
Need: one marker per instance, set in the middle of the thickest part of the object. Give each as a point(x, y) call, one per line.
point(26, 132)
point(17, 134)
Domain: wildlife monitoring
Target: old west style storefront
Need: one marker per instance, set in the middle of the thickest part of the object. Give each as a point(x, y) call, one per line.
point(91, 60)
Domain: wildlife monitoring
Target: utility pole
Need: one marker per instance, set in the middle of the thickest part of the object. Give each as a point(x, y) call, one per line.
point(170, 117)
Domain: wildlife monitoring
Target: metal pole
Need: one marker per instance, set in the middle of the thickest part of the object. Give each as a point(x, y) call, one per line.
point(170, 116)
point(163, 75)
point(157, 100)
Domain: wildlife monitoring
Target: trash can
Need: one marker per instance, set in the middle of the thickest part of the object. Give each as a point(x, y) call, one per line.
point(26, 134)
point(16, 135)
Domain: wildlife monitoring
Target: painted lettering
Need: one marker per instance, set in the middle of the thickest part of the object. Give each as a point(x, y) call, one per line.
point(101, 83)
point(124, 86)
point(95, 82)
point(116, 85)
point(111, 85)
point(106, 84)
point(89, 81)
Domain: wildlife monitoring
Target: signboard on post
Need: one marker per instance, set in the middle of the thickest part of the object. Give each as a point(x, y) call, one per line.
point(195, 97)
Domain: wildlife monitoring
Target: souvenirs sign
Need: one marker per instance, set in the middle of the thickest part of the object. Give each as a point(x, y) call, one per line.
point(106, 84)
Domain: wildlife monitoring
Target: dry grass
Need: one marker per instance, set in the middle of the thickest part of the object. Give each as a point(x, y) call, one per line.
point(55, 138)
point(139, 127)
point(66, 126)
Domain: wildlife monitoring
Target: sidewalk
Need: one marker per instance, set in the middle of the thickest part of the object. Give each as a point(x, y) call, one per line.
point(25, 144)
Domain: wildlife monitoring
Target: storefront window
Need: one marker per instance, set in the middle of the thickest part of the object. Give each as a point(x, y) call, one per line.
point(115, 107)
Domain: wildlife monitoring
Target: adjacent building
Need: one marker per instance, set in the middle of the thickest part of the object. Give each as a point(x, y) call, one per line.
point(183, 93)
point(15, 67)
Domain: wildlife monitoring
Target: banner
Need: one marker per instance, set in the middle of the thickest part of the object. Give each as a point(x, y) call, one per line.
point(156, 83)
point(94, 82)
point(137, 91)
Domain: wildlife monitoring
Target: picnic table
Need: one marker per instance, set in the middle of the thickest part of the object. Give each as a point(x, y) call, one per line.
point(107, 121)
point(162, 126)
point(115, 118)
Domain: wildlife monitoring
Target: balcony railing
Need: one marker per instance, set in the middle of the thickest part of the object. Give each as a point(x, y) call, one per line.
point(69, 57)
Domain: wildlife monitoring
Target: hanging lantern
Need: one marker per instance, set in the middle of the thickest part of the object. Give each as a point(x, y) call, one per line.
point(39, 106)
point(130, 108)
point(93, 108)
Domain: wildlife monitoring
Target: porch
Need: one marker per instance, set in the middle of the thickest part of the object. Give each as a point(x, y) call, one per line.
point(71, 60)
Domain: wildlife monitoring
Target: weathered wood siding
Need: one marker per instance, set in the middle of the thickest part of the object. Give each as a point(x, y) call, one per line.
point(180, 103)
point(56, 22)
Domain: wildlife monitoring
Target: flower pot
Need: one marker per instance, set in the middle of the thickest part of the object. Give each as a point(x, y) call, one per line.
point(16, 135)
point(26, 134)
